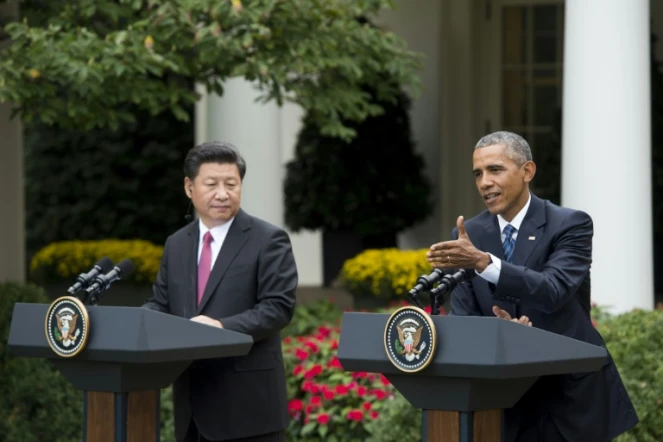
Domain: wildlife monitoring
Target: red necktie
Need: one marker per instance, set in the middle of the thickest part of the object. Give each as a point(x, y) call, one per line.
point(205, 264)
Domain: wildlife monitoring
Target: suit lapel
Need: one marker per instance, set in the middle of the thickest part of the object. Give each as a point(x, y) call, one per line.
point(235, 240)
point(530, 232)
point(191, 266)
point(491, 240)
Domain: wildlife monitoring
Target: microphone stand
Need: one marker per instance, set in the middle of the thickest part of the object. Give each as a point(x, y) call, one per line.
point(448, 283)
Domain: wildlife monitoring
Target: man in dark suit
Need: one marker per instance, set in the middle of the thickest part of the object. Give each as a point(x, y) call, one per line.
point(230, 270)
point(533, 262)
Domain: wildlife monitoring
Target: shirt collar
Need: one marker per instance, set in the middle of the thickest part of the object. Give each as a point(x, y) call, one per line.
point(218, 232)
point(518, 219)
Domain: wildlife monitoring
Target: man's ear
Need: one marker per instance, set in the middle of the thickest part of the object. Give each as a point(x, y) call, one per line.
point(188, 187)
point(530, 170)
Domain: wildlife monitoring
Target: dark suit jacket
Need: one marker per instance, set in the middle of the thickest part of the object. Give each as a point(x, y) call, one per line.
point(251, 290)
point(549, 281)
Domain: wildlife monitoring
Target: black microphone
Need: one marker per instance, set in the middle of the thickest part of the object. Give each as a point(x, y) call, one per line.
point(103, 282)
point(189, 217)
point(448, 283)
point(104, 265)
point(424, 282)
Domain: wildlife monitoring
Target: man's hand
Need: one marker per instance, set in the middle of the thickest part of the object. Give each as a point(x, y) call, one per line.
point(207, 320)
point(505, 315)
point(458, 254)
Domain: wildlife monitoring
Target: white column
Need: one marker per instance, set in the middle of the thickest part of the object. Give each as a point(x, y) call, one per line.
point(606, 143)
point(266, 136)
point(255, 129)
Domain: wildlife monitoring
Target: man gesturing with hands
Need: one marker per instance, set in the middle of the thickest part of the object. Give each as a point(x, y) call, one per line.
point(533, 263)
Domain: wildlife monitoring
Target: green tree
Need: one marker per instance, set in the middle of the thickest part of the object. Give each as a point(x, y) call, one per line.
point(84, 61)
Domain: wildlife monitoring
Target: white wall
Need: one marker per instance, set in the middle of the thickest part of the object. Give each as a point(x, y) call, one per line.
point(418, 23)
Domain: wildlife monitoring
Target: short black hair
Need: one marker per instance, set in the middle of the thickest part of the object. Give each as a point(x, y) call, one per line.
point(213, 152)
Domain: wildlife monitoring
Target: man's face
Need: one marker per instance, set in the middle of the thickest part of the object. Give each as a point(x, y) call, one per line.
point(503, 185)
point(216, 192)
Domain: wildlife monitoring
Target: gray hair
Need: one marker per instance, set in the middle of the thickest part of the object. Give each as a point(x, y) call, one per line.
point(517, 148)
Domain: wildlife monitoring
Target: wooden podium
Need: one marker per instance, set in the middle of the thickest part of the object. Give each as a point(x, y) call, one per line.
point(482, 365)
point(131, 354)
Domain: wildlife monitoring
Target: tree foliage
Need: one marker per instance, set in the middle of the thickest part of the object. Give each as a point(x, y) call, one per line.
point(80, 62)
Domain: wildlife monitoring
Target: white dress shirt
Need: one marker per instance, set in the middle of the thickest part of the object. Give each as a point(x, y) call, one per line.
point(492, 272)
point(218, 233)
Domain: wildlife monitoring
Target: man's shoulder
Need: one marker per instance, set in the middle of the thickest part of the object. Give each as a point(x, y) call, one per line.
point(560, 214)
point(259, 225)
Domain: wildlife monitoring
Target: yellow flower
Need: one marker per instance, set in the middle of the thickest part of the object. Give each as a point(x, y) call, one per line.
point(67, 259)
point(384, 272)
point(237, 5)
point(34, 74)
point(149, 42)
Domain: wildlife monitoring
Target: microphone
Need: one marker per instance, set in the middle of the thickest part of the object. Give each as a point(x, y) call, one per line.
point(424, 282)
point(448, 283)
point(188, 217)
point(103, 282)
point(104, 265)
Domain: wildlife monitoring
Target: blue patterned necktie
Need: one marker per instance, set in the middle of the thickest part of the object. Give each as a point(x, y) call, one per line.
point(509, 243)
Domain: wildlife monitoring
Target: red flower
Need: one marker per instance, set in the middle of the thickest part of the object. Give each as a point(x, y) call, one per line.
point(342, 390)
point(309, 409)
point(287, 340)
point(334, 344)
point(323, 419)
point(359, 375)
point(298, 369)
point(384, 380)
point(311, 387)
point(313, 372)
point(334, 363)
point(312, 346)
point(374, 414)
point(301, 339)
point(379, 394)
point(295, 405)
point(328, 394)
point(361, 391)
point(301, 354)
point(367, 406)
point(316, 401)
point(428, 309)
point(324, 331)
point(355, 415)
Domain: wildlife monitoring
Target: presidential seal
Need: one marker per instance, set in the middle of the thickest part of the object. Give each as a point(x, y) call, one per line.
point(67, 326)
point(410, 339)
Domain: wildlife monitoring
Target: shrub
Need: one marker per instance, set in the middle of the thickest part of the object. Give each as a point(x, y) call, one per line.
point(399, 422)
point(325, 402)
point(36, 403)
point(104, 183)
point(307, 318)
point(635, 340)
point(386, 273)
point(371, 186)
point(67, 259)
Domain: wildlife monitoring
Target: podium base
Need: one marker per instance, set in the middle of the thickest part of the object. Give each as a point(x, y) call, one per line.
point(121, 417)
point(463, 426)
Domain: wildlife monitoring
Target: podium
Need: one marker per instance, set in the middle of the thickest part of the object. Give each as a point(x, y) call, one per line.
point(131, 354)
point(481, 366)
